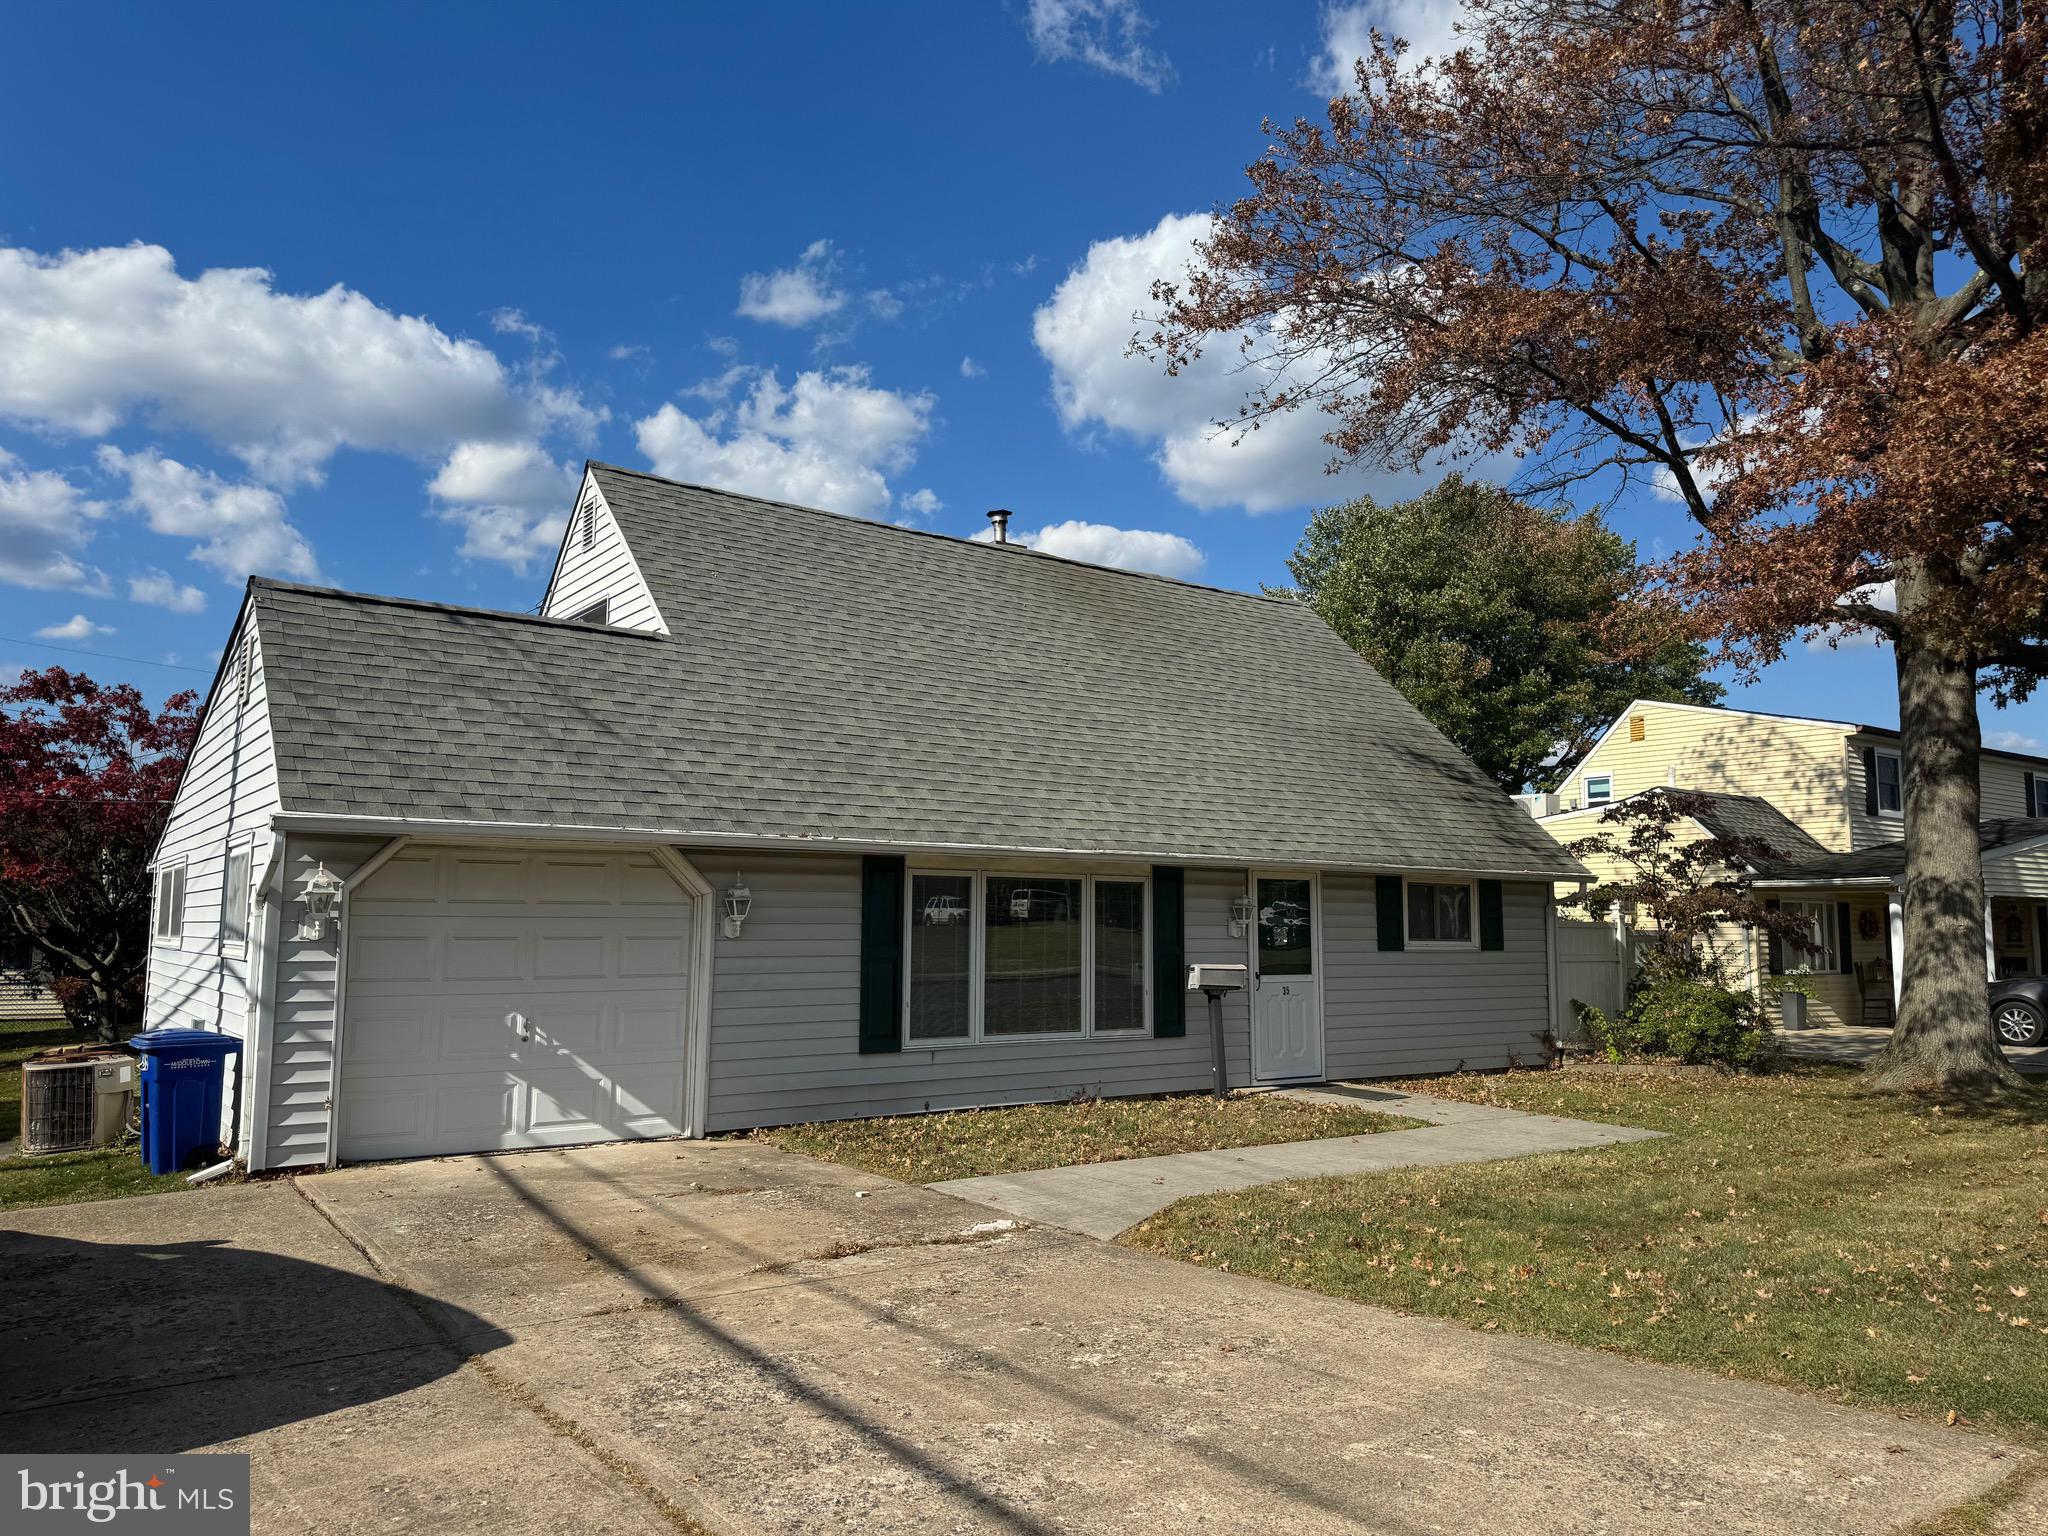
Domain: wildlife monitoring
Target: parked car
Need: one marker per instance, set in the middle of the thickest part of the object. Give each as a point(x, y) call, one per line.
point(2019, 1010)
point(1030, 904)
point(944, 911)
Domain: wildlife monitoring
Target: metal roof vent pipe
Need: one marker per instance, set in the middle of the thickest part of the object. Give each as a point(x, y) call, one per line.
point(999, 520)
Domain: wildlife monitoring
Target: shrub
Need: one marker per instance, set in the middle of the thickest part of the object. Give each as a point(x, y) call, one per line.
point(1691, 1021)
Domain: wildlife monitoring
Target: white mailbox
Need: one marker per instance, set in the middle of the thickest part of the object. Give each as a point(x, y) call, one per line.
point(1216, 978)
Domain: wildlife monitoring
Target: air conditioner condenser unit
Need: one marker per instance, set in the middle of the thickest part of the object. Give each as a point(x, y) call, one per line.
point(76, 1097)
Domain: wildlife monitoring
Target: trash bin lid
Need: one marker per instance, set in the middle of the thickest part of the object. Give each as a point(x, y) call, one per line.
point(158, 1041)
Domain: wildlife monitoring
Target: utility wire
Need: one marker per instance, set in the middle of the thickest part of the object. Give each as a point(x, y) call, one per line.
point(44, 645)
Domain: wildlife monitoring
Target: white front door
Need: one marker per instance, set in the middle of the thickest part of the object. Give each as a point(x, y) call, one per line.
point(1287, 998)
point(504, 998)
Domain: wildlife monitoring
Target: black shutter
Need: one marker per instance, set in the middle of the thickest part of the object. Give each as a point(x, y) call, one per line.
point(1169, 951)
point(881, 953)
point(2034, 806)
point(1492, 930)
point(1846, 950)
point(1386, 900)
point(1777, 943)
point(1870, 781)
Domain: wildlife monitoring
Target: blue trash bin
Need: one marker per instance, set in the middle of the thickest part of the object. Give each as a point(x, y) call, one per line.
point(184, 1075)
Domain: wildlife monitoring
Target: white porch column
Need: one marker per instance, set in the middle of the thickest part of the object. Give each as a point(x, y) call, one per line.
point(1895, 943)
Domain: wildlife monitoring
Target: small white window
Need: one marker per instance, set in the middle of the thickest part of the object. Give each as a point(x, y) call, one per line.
point(1599, 788)
point(234, 912)
point(1815, 949)
point(1440, 913)
point(598, 613)
point(1888, 791)
point(170, 904)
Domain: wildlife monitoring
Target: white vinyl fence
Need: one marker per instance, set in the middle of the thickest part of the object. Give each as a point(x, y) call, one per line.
point(1594, 963)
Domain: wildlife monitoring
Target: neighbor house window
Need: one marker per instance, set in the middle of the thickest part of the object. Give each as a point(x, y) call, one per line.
point(234, 912)
point(169, 927)
point(1440, 912)
point(1812, 948)
point(1599, 789)
point(1003, 956)
point(1884, 773)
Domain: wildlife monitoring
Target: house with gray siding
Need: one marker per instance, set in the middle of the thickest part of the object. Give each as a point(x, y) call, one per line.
point(769, 815)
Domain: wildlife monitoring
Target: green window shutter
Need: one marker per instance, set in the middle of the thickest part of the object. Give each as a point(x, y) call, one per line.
point(1870, 781)
point(1777, 944)
point(1492, 928)
point(1845, 949)
point(1386, 901)
point(881, 954)
point(1169, 951)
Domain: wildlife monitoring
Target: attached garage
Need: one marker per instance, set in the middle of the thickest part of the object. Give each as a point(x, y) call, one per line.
point(502, 998)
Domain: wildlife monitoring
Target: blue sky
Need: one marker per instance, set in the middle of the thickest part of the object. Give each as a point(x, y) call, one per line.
point(348, 295)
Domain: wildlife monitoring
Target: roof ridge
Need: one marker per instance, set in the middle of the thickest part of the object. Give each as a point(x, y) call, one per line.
point(944, 538)
point(270, 584)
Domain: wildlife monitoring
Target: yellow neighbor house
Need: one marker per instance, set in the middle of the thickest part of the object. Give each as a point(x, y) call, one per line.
point(1828, 796)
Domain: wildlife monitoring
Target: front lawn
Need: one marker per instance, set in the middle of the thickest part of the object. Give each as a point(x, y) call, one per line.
point(60, 1178)
point(923, 1149)
point(1791, 1230)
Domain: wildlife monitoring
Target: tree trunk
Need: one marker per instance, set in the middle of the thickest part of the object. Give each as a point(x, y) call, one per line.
point(1943, 1041)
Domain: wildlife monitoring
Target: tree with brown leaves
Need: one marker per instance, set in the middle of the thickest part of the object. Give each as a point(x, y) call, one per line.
point(1782, 259)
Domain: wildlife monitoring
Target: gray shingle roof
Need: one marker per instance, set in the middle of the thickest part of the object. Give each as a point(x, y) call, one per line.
point(831, 678)
point(1888, 860)
point(1725, 815)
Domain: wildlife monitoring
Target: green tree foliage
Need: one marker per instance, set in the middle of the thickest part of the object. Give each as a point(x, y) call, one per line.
point(1481, 609)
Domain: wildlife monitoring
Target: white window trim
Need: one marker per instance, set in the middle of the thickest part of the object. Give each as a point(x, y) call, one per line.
point(1599, 778)
point(1876, 754)
point(158, 939)
point(1826, 961)
point(1408, 939)
point(978, 954)
point(229, 944)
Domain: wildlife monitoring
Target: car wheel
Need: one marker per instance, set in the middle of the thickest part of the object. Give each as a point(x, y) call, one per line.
point(2016, 1023)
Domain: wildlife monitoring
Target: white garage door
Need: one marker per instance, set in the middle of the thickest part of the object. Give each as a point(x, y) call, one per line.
point(500, 998)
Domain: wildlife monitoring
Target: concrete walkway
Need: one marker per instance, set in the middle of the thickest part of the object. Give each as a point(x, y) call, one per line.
point(1854, 1044)
point(1103, 1199)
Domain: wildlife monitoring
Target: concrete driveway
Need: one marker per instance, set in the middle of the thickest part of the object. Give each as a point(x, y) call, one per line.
point(631, 1338)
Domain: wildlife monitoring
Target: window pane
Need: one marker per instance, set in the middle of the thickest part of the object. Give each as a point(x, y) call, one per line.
point(1032, 966)
point(1439, 914)
point(236, 898)
point(1119, 954)
point(1888, 797)
point(1599, 790)
point(1286, 945)
point(941, 954)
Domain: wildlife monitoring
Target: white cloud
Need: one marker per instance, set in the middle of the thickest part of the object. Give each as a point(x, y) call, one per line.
point(243, 528)
point(510, 500)
point(2013, 741)
point(90, 339)
point(1084, 330)
point(885, 304)
point(1108, 35)
point(45, 521)
point(924, 503)
point(794, 296)
point(1346, 37)
point(1127, 549)
point(970, 369)
point(162, 590)
point(76, 628)
point(830, 440)
point(513, 322)
point(627, 352)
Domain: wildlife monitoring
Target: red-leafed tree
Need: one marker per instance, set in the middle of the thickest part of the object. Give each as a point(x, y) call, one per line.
point(87, 774)
point(1782, 258)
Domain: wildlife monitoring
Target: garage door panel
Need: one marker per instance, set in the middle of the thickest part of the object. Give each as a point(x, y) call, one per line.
point(593, 949)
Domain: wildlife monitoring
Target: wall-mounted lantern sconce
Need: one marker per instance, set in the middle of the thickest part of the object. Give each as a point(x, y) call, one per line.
point(320, 895)
point(1240, 917)
point(739, 901)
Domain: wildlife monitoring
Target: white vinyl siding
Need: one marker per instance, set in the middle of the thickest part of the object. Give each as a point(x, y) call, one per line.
point(596, 566)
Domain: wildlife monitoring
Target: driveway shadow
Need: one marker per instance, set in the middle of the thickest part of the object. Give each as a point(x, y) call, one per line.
point(165, 1347)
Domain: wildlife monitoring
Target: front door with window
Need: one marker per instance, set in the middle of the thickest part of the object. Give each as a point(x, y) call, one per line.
point(1287, 1004)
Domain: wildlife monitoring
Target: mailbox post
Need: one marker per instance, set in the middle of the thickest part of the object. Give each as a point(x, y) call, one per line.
point(1215, 982)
